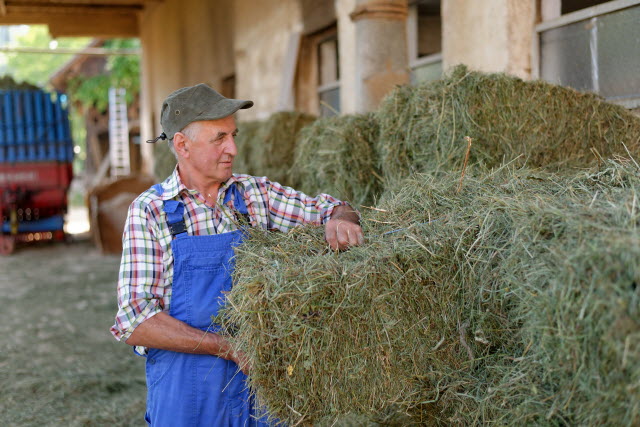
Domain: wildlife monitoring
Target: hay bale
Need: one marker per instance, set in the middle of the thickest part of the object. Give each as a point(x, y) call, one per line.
point(515, 301)
point(336, 155)
point(268, 147)
point(164, 162)
point(423, 127)
point(250, 148)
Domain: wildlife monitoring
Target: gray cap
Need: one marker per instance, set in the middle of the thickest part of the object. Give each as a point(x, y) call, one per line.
point(196, 103)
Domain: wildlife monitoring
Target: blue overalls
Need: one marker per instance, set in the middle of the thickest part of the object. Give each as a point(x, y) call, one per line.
point(191, 389)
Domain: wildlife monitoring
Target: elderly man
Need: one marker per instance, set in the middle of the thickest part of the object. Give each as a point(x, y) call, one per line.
point(178, 256)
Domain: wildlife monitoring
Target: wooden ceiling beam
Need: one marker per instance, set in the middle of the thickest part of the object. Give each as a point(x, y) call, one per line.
point(87, 3)
point(18, 9)
point(80, 24)
point(76, 18)
point(97, 26)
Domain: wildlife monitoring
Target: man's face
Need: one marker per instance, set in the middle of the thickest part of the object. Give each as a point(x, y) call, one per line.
point(210, 153)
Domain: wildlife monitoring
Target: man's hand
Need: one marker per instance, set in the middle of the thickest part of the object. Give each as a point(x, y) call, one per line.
point(168, 333)
point(240, 359)
point(343, 229)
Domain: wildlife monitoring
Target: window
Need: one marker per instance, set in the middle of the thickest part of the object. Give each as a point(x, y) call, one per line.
point(317, 76)
point(228, 86)
point(328, 76)
point(424, 35)
point(595, 49)
point(568, 6)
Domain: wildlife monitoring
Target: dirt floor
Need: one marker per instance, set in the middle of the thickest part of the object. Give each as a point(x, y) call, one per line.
point(59, 365)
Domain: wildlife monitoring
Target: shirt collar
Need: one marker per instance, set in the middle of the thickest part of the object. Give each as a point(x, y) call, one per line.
point(173, 185)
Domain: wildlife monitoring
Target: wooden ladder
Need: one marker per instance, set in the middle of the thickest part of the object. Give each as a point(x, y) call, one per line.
point(118, 133)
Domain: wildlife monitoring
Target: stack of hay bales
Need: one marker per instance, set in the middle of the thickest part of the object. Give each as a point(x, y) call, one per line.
point(164, 161)
point(250, 147)
point(266, 148)
point(336, 155)
point(513, 299)
point(423, 128)
point(537, 124)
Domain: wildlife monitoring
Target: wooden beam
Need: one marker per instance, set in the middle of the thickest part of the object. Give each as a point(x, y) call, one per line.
point(80, 24)
point(88, 51)
point(62, 9)
point(102, 26)
point(3, 8)
point(85, 2)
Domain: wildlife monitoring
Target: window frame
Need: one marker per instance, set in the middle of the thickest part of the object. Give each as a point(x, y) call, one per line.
point(590, 13)
point(416, 61)
point(329, 34)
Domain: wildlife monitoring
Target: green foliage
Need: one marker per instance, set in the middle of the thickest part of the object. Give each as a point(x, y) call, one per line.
point(121, 71)
point(37, 68)
point(79, 136)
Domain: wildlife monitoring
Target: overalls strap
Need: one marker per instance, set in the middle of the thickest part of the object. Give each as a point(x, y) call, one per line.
point(175, 217)
point(175, 213)
point(238, 201)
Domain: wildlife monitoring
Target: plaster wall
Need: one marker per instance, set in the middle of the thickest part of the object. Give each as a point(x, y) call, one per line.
point(184, 42)
point(263, 36)
point(491, 35)
point(347, 57)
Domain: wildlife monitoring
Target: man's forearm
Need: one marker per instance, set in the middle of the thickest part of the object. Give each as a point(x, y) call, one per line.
point(168, 333)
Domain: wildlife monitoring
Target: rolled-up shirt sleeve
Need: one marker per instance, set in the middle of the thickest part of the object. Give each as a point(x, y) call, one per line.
point(141, 285)
point(289, 208)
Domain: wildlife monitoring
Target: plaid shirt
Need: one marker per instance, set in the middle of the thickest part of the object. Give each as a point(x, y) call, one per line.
point(146, 268)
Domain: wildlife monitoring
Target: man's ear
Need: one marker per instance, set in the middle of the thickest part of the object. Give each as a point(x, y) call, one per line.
point(180, 144)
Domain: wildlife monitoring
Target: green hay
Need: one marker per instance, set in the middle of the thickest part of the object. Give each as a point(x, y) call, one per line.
point(335, 155)
point(423, 128)
point(267, 148)
point(164, 160)
point(250, 148)
point(513, 302)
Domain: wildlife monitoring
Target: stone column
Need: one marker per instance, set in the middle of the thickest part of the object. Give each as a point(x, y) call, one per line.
point(381, 56)
point(490, 36)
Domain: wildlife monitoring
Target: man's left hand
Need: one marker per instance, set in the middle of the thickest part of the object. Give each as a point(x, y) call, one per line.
point(343, 229)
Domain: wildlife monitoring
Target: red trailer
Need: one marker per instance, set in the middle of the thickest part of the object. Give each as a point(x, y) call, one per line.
point(36, 154)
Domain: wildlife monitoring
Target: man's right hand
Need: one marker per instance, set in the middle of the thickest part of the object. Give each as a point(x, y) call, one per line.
point(168, 333)
point(240, 358)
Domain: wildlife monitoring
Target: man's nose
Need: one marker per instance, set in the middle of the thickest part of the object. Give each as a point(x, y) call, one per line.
point(232, 150)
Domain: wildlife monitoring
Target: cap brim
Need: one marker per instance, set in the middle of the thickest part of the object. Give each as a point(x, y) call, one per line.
point(224, 109)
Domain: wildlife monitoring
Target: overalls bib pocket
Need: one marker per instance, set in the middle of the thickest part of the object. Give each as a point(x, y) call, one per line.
point(159, 362)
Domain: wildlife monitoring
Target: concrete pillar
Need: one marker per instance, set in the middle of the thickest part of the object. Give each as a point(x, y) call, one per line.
point(347, 55)
point(491, 35)
point(380, 55)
